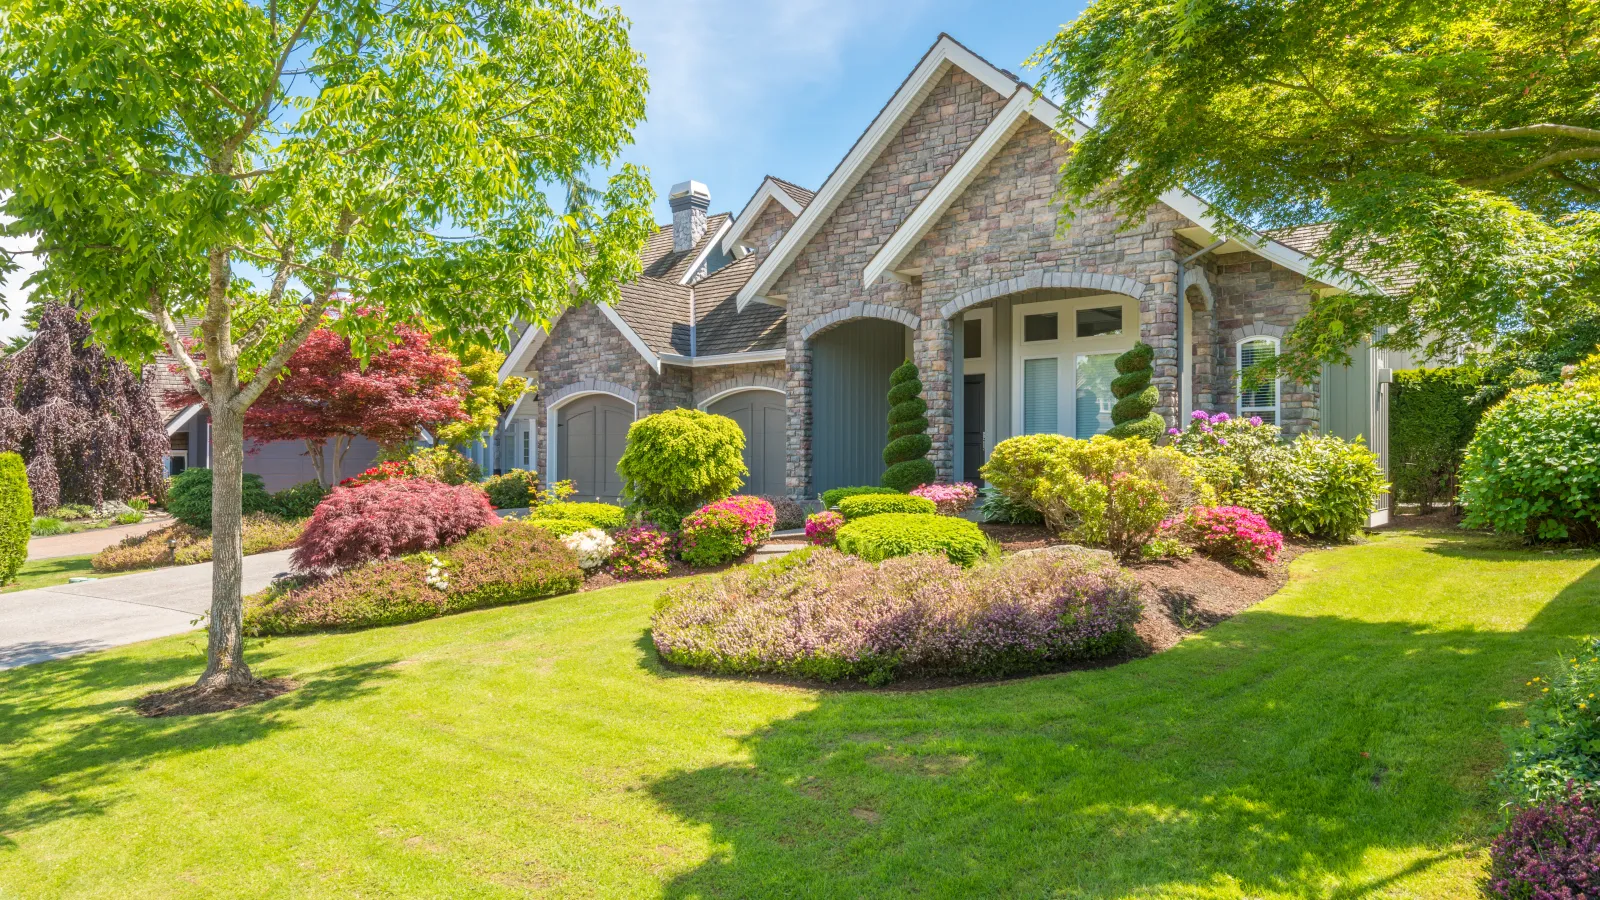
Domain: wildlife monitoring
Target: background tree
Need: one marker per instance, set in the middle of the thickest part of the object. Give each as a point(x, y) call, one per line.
point(87, 427)
point(333, 149)
point(906, 454)
point(326, 397)
point(1457, 142)
point(487, 397)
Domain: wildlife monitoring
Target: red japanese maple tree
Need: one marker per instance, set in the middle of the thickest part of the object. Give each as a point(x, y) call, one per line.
point(326, 399)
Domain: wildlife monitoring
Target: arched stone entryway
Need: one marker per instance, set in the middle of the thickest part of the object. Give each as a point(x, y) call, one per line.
point(851, 353)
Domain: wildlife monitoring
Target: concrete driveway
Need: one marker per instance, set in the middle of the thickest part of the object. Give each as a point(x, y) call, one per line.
point(49, 623)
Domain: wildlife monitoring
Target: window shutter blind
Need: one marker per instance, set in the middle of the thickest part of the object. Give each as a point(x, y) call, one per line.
point(1040, 395)
point(1264, 396)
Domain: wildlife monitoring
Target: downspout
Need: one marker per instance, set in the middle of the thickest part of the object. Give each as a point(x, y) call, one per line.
point(1183, 312)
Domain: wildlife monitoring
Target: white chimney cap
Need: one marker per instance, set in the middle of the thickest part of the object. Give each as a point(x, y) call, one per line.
point(687, 188)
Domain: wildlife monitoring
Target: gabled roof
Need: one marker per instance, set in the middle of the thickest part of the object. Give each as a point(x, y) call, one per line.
point(720, 327)
point(791, 197)
point(940, 58)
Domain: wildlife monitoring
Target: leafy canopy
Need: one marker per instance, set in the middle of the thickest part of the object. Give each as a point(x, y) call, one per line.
point(1456, 143)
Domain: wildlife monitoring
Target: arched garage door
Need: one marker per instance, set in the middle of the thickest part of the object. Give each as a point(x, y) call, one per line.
point(590, 434)
point(761, 416)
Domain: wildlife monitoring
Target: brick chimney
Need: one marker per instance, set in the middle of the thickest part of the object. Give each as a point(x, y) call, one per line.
point(689, 201)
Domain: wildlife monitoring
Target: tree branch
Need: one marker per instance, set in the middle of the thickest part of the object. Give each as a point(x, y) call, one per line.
point(1580, 186)
point(238, 110)
point(169, 335)
point(280, 357)
point(1538, 165)
point(1543, 129)
point(252, 118)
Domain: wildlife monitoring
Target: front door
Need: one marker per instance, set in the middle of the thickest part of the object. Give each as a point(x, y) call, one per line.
point(765, 424)
point(590, 435)
point(974, 415)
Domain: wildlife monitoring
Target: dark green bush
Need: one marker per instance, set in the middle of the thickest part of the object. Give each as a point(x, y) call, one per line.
point(601, 515)
point(907, 451)
point(1134, 415)
point(505, 563)
point(877, 538)
point(298, 502)
point(1431, 420)
point(864, 505)
point(16, 515)
point(1532, 470)
point(679, 460)
point(189, 499)
point(997, 507)
point(513, 490)
point(831, 498)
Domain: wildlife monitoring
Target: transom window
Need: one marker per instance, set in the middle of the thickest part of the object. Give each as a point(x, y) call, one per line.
point(1099, 322)
point(1040, 327)
point(972, 339)
point(1262, 399)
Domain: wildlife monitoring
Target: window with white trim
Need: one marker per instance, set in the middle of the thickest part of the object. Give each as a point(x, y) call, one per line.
point(1262, 399)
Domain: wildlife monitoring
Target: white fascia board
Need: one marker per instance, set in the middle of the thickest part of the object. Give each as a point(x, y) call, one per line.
point(944, 54)
point(954, 182)
point(522, 353)
point(769, 191)
point(725, 359)
point(511, 413)
point(183, 418)
point(701, 259)
point(632, 336)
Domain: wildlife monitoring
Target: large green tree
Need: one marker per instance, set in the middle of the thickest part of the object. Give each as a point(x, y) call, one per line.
point(411, 160)
point(1454, 142)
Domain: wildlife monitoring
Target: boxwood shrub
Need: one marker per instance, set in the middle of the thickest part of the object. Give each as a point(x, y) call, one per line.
point(1531, 469)
point(507, 563)
point(16, 515)
point(298, 502)
point(832, 498)
point(880, 537)
point(860, 507)
point(603, 516)
point(823, 615)
point(512, 490)
point(189, 498)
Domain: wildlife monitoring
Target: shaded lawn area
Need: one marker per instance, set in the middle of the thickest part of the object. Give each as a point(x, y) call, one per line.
point(40, 573)
point(1334, 741)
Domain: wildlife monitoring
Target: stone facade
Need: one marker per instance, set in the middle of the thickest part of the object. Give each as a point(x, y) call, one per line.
point(1257, 297)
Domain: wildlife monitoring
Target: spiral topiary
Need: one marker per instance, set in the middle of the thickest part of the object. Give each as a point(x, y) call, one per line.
point(1134, 415)
point(907, 450)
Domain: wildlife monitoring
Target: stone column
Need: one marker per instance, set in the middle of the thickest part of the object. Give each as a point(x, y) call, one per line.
point(798, 406)
point(933, 351)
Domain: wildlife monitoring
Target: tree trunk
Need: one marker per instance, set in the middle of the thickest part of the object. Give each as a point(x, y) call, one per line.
point(340, 445)
point(314, 450)
point(225, 666)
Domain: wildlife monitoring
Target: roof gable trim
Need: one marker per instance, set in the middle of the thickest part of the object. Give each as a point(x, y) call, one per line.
point(769, 191)
point(700, 258)
point(638, 343)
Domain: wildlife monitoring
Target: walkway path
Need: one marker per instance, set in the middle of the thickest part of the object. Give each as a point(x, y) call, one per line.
point(49, 623)
point(92, 541)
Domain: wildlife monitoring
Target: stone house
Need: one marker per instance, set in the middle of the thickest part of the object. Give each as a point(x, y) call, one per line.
point(937, 238)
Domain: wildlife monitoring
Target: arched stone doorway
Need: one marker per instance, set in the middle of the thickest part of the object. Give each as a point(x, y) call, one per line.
point(851, 362)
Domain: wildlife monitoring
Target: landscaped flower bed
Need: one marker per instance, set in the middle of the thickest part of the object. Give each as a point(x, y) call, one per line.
point(822, 615)
point(182, 545)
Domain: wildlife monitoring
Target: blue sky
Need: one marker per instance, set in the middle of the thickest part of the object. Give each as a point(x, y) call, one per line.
point(744, 88)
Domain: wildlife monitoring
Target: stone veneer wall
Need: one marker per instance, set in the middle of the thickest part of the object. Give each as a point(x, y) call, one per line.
point(708, 382)
point(1254, 297)
point(826, 275)
point(768, 229)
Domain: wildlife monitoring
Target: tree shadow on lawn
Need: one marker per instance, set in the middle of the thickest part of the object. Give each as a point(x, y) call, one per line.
point(68, 727)
point(1278, 753)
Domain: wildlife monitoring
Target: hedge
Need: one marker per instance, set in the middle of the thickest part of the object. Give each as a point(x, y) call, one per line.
point(189, 498)
point(16, 515)
point(1431, 420)
point(831, 498)
point(876, 504)
point(603, 516)
point(880, 537)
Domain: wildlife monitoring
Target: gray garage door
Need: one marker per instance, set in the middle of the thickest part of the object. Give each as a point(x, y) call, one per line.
point(761, 416)
point(590, 434)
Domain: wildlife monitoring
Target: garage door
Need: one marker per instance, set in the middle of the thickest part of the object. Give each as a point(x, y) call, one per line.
point(590, 434)
point(761, 416)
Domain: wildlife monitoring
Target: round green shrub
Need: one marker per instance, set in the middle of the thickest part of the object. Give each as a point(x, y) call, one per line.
point(189, 498)
point(1531, 469)
point(864, 505)
point(831, 498)
point(16, 515)
point(512, 490)
point(907, 450)
point(1015, 465)
point(298, 502)
point(681, 460)
point(1331, 487)
point(877, 538)
point(1133, 415)
point(603, 516)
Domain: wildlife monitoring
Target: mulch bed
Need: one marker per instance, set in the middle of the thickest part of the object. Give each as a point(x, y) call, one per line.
point(192, 701)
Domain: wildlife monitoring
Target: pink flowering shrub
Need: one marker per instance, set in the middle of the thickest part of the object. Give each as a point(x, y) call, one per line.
point(951, 499)
point(389, 518)
point(724, 530)
point(1229, 532)
point(507, 563)
point(823, 527)
point(821, 614)
point(1551, 850)
point(640, 552)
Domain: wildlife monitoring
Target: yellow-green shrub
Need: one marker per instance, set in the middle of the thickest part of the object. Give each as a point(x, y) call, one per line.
point(1014, 467)
point(1112, 493)
point(16, 515)
point(877, 538)
point(603, 516)
point(863, 505)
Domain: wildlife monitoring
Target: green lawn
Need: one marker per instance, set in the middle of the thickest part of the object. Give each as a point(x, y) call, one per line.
point(1334, 741)
point(50, 572)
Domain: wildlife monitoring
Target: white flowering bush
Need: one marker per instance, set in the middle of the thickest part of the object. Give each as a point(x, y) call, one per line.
point(592, 545)
point(438, 576)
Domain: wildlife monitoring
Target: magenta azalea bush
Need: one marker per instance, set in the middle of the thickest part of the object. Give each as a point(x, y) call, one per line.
point(951, 499)
point(823, 615)
point(1229, 533)
point(389, 518)
point(823, 527)
point(640, 552)
point(1551, 851)
point(725, 530)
